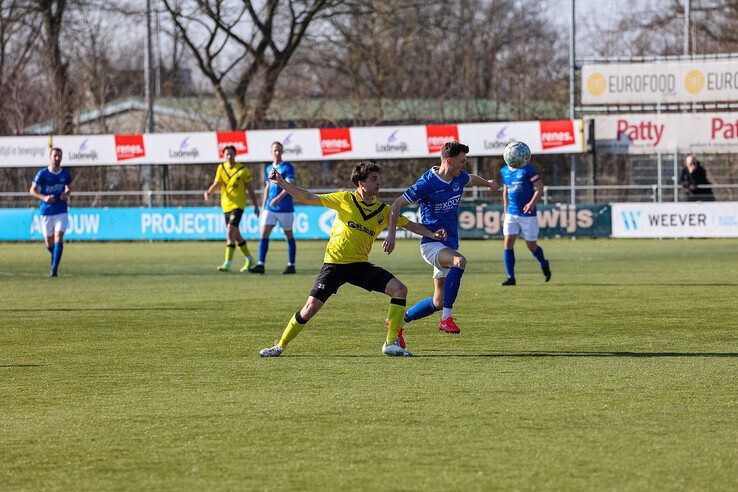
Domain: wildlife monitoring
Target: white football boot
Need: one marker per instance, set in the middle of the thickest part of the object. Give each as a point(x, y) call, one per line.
point(395, 349)
point(275, 351)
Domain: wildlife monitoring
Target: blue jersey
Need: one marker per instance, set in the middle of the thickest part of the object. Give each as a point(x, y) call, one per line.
point(520, 188)
point(439, 203)
point(52, 184)
point(288, 173)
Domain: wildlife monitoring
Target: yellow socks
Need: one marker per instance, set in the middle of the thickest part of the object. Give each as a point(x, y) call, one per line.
point(394, 316)
point(294, 327)
point(230, 248)
point(244, 249)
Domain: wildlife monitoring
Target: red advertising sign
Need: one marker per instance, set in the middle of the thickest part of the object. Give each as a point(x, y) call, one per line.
point(557, 134)
point(237, 139)
point(129, 147)
point(335, 140)
point(440, 134)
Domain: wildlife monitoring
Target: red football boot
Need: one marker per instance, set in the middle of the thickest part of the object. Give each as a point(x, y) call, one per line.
point(449, 326)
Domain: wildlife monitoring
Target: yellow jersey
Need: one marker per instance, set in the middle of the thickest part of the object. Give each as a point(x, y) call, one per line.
point(233, 182)
point(355, 228)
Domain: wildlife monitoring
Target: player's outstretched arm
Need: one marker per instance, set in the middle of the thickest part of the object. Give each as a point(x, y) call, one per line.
point(389, 241)
point(420, 229)
point(297, 192)
point(475, 180)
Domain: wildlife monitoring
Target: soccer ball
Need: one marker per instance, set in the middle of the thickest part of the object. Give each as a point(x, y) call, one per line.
point(517, 155)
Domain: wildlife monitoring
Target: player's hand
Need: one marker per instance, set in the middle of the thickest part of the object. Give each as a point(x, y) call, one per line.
point(49, 199)
point(206, 195)
point(64, 196)
point(389, 243)
point(275, 176)
point(493, 186)
point(256, 211)
point(440, 234)
point(528, 207)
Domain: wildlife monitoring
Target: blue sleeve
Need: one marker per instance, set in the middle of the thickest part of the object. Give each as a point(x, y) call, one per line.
point(465, 176)
point(417, 191)
point(37, 179)
point(289, 173)
point(531, 173)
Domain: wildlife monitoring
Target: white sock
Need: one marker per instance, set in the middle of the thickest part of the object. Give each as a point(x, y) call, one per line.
point(446, 313)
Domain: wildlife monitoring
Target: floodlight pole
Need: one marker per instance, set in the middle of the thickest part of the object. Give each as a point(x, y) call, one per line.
point(687, 28)
point(148, 81)
point(573, 159)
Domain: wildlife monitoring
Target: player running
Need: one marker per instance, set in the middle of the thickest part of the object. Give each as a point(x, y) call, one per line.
point(360, 218)
point(439, 191)
point(278, 207)
point(51, 187)
point(520, 193)
point(234, 180)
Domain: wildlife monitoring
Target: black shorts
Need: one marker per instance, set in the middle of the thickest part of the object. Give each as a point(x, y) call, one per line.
point(233, 217)
point(364, 275)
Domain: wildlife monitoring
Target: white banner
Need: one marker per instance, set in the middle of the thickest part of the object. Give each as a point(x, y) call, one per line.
point(690, 219)
point(312, 144)
point(673, 132)
point(660, 82)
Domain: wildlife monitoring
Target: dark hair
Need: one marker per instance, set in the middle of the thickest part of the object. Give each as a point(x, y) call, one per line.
point(276, 142)
point(55, 148)
point(231, 147)
point(452, 149)
point(361, 171)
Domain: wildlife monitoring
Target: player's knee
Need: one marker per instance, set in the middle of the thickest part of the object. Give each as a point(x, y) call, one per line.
point(459, 261)
point(395, 288)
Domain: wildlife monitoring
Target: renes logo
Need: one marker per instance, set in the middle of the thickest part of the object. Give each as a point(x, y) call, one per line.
point(557, 133)
point(83, 152)
point(438, 135)
point(335, 140)
point(237, 139)
point(393, 144)
point(129, 147)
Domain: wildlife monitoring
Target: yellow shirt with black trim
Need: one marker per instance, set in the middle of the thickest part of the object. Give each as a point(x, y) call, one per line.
point(355, 228)
point(233, 183)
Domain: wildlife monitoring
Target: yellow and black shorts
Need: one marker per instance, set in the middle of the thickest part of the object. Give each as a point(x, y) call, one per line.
point(233, 217)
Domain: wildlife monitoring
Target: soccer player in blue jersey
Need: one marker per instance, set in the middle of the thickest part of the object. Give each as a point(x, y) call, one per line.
point(521, 189)
point(51, 187)
point(278, 207)
point(438, 191)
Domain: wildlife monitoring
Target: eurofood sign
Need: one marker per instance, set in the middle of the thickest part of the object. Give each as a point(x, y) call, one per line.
point(661, 82)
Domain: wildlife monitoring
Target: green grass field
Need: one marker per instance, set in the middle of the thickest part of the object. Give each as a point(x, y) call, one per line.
point(138, 369)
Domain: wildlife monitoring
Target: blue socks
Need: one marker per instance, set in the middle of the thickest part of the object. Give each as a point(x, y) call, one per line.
point(263, 248)
point(509, 257)
point(420, 310)
point(291, 251)
point(538, 253)
point(451, 286)
point(57, 254)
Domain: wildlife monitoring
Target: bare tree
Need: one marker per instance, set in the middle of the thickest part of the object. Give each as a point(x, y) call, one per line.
point(18, 40)
point(243, 49)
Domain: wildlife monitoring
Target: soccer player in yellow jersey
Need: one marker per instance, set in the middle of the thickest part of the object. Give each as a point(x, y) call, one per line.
point(234, 180)
point(360, 218)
